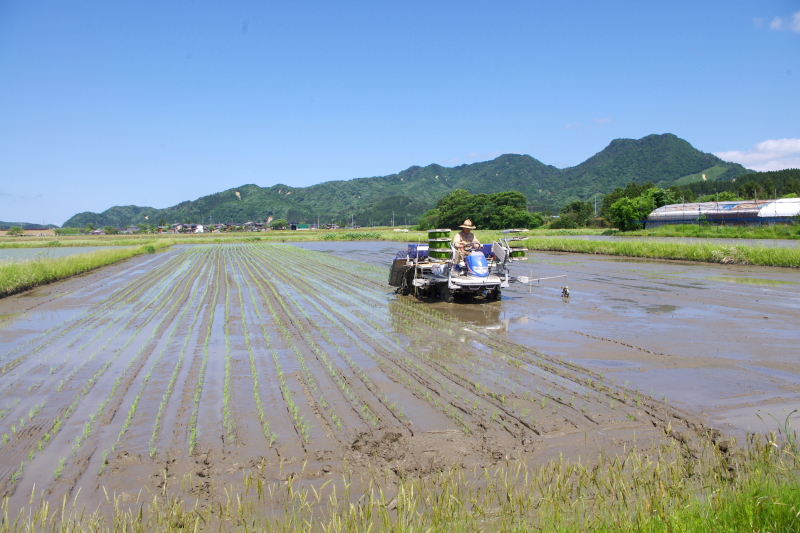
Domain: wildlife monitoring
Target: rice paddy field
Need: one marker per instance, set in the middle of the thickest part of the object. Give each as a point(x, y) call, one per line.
point(252, 386)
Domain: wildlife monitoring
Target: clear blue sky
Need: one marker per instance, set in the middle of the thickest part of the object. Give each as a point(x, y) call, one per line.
point(151, 103)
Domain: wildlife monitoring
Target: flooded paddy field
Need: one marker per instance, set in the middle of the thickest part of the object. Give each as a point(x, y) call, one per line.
point(23, 254)
point(181, 372)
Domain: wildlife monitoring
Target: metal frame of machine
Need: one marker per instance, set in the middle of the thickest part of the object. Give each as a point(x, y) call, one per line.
point(415, 271)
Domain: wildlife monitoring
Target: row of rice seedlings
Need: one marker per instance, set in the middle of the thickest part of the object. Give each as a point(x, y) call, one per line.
point(52, 334)
point(152, 449)
point(452, 412)
point(101, 349)
point(347, 357)
point(32, 412)
point(412, 329)
point(259, 282)
point(89, 384)
point(227, 417)
point(150, 371)
point(262, 417)
point(143, 294)
point(89, 425)
point(198, 389)
point(175, 303)
point(301, 425)
point(430, 323)
point(358, 404)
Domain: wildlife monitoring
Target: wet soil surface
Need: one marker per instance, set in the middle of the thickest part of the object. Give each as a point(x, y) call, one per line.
point(183, 371)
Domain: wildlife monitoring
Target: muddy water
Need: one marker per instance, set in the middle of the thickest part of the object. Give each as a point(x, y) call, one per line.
point(179, 373)
point(719, 339)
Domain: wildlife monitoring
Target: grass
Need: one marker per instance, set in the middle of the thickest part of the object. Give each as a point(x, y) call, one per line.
point(720, 232)
point(702, 252)
point(18, 276)
point(712, 486)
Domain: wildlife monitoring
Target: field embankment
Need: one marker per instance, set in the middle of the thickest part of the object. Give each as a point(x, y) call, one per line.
point(779, 231)
point(17, 276)
point(709, 253)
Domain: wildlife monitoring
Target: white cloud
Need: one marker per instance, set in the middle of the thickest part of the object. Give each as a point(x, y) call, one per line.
point(602, 121)
point(793, 23)
point(572, 126)
point(473, 154)
point(773, 154)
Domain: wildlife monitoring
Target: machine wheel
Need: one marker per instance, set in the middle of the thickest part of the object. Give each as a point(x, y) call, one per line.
point(494, 294)
point(447, 294)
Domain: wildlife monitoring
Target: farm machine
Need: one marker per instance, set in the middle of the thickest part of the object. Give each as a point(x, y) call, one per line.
point(430, 270)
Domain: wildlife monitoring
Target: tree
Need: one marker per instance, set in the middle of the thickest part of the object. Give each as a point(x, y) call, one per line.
point(279, 223)
point(89, 227)
point(580, 212)
point(724, 196)
point(110, 230)
point(14, 231)
point(162, 222)
point(628, 213)
point(500, 210)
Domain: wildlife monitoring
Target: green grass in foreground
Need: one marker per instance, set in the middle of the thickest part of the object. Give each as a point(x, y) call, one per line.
point(704, 252)
point(719, 232)
point(18, 276)
point(709, 485)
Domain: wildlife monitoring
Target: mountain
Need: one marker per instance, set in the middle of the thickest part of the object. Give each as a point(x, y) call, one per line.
point(26, 225)
point(663, 159)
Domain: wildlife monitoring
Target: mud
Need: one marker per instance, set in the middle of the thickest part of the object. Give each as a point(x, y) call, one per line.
point(182, 372)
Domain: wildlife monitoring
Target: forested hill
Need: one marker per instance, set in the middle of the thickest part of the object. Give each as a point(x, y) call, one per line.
point(663, 159)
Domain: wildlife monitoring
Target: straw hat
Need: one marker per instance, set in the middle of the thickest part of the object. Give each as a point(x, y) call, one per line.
point(467, 224)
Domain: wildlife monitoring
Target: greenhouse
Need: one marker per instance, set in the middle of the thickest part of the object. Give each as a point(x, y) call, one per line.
point(736, 213)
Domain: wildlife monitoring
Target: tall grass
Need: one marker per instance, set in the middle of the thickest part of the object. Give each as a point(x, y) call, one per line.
point(778, 231)
point(675, 487)
point(17, 276)
point(704, 252)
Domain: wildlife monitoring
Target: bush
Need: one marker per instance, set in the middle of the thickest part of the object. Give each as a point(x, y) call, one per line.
point(564, 222)
point(14, 231)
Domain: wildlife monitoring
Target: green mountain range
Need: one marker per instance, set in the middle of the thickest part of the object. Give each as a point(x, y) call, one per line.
point(26, 225)
point(663, 159)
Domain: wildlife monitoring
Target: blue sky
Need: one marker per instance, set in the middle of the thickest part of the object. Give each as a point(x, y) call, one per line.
point(153, 103)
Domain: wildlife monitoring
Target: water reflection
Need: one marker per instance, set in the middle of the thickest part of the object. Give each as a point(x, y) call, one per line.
point(489, 316)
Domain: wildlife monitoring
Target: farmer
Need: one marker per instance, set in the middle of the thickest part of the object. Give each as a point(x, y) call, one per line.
point(465, 241)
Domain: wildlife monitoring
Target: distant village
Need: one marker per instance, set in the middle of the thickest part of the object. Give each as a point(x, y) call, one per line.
point(217, 228)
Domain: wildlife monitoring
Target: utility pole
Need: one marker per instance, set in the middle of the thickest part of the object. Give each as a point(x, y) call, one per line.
point(392, 218)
